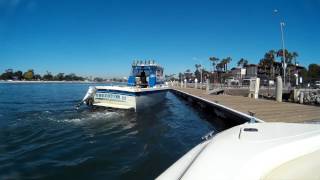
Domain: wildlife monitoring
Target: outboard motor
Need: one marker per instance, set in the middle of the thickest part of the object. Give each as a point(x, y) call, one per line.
point(88, 98)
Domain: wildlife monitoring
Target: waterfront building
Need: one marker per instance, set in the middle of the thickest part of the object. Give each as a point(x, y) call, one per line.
point(251, 71)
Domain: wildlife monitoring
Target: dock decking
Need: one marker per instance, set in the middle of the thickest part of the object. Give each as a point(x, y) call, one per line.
point(266, 110)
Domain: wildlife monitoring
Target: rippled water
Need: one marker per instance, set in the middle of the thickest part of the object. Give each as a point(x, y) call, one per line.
point(42, 136)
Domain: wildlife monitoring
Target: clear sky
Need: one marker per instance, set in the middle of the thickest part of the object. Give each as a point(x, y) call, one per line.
point(102, 37)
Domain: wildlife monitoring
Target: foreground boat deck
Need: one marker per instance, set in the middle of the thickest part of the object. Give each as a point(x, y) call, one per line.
point(266, 110)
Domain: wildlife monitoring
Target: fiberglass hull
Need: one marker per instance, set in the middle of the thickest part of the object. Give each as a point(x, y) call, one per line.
point(128, 98)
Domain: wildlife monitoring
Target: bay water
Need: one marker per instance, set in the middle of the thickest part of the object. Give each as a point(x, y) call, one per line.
point(42, 135)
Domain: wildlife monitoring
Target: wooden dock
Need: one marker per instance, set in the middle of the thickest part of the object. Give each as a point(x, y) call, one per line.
point(266, 110)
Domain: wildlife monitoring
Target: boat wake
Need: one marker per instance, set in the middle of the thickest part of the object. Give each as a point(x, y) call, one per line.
point(70, 116)
point(85, 116)
point(94, 116)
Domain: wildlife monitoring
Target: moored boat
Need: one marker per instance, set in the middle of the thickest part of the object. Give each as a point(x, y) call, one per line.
point(144, 89)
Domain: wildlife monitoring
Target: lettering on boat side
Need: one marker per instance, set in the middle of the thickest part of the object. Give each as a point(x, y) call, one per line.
point(111, 97)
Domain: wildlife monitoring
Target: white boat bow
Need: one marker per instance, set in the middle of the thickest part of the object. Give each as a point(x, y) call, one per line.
point(253, 151)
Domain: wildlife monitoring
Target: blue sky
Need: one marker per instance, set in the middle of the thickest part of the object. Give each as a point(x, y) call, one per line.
point(102, 37)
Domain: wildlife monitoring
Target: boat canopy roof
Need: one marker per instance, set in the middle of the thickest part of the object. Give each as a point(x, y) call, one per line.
point(149, 67)
point(145, 74)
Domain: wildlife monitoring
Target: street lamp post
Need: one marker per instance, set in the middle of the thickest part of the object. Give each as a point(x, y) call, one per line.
point(282, 24)
point(201, 74)
point(283, 54)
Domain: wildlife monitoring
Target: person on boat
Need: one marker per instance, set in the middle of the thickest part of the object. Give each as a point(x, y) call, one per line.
point(143, 79)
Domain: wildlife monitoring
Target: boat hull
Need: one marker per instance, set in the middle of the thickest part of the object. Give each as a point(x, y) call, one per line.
point(123, 98)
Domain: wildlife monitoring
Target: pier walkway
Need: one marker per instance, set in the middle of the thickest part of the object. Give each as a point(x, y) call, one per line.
point(266, 110)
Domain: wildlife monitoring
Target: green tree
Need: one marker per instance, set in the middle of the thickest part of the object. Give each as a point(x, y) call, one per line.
point(268, 63)
point(29, 75)
point(6, 76)
point(228, 60)
point(197, 73)
point(205, 75)
point(18, 75)
point(73, 77)
point(224, 62)
point(69, 77)
point(222, 65)
point(295, 55)
point(242, 62)
point(37, 77)
point(214, 61)
point(59, 77)
point(188, 74)
point(314, 71)
point(197, 66)
point(288, 56)
point(304, 74)
point(48, 76)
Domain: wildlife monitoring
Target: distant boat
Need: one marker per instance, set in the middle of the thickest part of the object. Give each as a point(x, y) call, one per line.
point(144, 89)
point(253, 151)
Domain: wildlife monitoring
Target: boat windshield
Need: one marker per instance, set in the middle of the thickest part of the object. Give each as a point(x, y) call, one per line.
point(148, 70)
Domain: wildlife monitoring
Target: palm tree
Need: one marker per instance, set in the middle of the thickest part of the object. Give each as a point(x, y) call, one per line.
point(288, 55)
point(228, 60)
point(295, 55)
point(270, 55)
point(214, 60)
point(222, 64)
point(197, 66)
point(219, 68)
point(225, 63)
point(288, 59)
point(268, 63)
point(242, 62)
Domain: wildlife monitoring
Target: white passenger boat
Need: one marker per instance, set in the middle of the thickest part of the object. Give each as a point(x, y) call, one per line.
point(144, 89)
point(253, 151)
